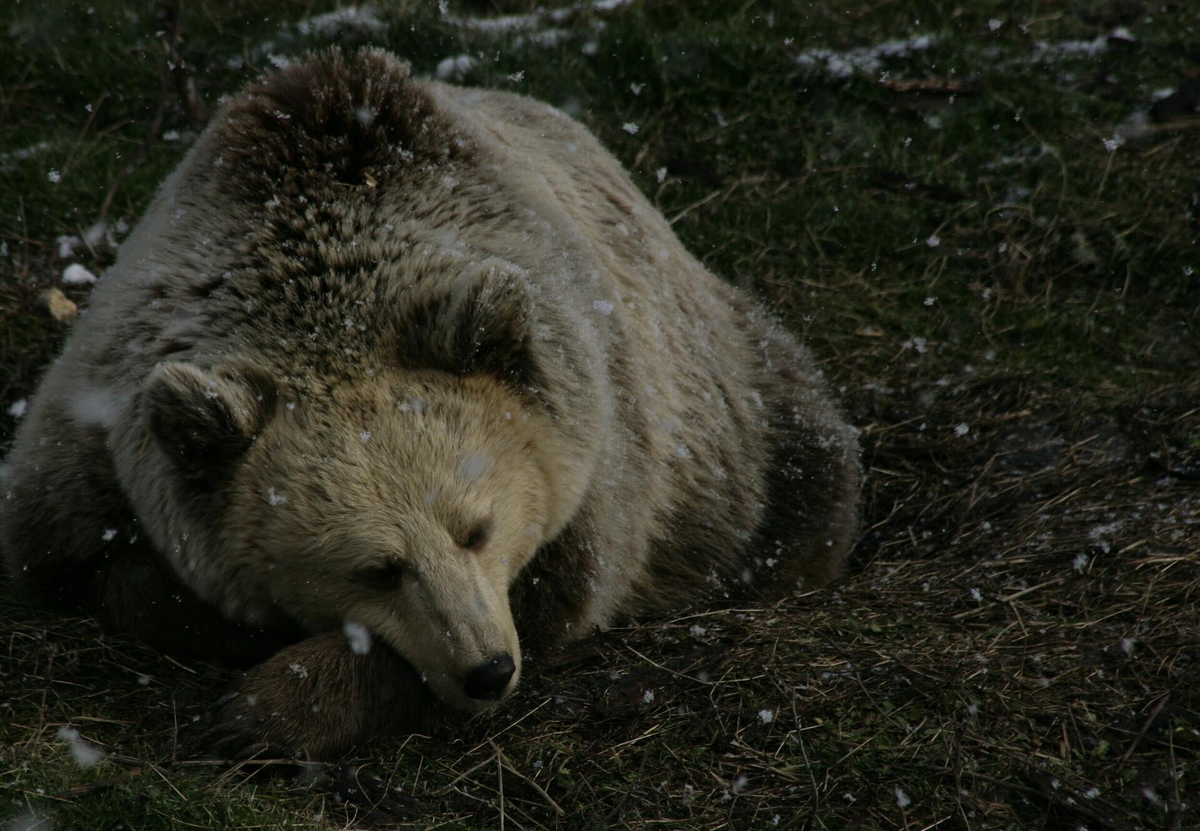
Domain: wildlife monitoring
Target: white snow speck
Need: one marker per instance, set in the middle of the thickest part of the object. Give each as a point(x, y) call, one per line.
point(767, 716)
point(636, 88)
point(630, 128)
point(66, 245)
point(976, 595)
point(698, 630)
point(18, 408)
point(276, 498)
point(994, 24)
point(1091, 793)
point(962, 429)
point(85, 754)
point(1080, 562)
point(660, 174)
point(364, 436)
point(54, 176)
point(934, 241)
point(902, 799)
point(682, 451)
point(604, 307)
point(739, 784)
point(358, 636)
point(1112, 144)
point(648, 696)
point(929, 301)
point(77, 275)
point(298, 670)
point(454, 68)
point(1127, 645)
point(476, 465)
point(109, 535)
point(517, 76)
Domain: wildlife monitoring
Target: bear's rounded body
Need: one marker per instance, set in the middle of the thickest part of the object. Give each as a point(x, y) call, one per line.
point(385, 351)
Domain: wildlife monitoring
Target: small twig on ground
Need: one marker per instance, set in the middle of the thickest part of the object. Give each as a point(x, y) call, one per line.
point(1146, 726)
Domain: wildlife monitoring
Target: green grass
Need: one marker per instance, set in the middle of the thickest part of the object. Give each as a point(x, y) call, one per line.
point(970, 659)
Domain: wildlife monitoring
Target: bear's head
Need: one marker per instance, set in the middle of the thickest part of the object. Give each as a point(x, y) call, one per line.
point(399, 504)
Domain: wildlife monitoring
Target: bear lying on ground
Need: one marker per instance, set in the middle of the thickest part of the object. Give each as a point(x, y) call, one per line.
point(395, 378)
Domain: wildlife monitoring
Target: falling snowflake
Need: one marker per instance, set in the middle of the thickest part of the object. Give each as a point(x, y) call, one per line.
point(630, 128)
point(358, 636)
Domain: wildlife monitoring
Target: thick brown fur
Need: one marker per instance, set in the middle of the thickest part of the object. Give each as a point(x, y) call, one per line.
point(421, 362)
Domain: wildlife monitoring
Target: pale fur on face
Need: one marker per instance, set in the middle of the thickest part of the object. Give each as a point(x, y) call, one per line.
point(407, 505)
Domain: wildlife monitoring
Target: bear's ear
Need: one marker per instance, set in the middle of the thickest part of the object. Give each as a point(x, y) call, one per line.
point(483, 324)
point(206, 421)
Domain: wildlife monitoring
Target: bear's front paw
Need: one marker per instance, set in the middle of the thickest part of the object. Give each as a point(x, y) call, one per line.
point(317, 700)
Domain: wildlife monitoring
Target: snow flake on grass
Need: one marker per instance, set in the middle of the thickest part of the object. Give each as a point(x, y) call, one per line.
point(767, 716)
point(630, 128)
point(648, 697)
point(54, 176)
point(84, 753)
point(1080, 562)
point(902, 799)
point(77, 275)
point(962, 429)
point(363, 19)
point(933, 242)
point(867, 60)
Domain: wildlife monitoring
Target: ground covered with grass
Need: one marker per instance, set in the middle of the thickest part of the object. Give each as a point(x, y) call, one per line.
point(982, 216)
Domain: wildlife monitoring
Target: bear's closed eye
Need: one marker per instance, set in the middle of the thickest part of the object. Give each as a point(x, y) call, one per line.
point(477, 536)
point(384, 575)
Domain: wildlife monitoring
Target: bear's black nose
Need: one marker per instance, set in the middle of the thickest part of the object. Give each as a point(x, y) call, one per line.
point(488, 680)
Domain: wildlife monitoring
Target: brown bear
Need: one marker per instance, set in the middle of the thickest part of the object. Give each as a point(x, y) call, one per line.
point(394, 378)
